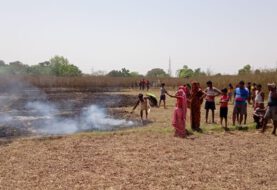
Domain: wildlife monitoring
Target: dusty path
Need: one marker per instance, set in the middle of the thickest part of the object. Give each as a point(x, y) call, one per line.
point(141, 159)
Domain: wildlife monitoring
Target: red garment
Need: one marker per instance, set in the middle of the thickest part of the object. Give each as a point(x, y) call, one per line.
point(224, 99)
point(180, 102)
point(195, 106)
point(178, 122)
point(185, 104)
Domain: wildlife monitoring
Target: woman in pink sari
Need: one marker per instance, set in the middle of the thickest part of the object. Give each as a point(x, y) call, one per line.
point(178, 120)
point(185, 101)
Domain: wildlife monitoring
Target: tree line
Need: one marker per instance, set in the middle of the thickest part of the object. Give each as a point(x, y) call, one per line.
point(60, 66)
point(56, 66)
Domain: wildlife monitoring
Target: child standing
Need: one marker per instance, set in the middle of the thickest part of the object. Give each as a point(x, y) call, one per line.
point(162, 95)
point(230, 91)
point(224, 99)
point(144, 106)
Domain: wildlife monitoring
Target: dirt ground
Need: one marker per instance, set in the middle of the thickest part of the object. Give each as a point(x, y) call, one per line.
point(146, 157)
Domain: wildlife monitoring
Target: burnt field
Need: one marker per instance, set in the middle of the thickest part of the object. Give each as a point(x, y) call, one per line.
point(24, 111)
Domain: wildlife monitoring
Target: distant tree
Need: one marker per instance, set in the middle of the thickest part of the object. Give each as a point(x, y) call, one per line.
point(198, 72)
point(60, 66)
point(114, 73)
point(98, 73)
point(209, 72)
point(157, 72)
point(257, 71)
point(245, 70)
point(125, 72)
point(17, 67)
point(122, 73)
point(135, 74)
point(218, 74)
point(16, 63)
point(2, 63)
point(45, 63)
point(39, 70)
point(185, 72)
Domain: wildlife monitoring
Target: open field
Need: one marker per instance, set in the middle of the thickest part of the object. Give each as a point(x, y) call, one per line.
point(145, 157)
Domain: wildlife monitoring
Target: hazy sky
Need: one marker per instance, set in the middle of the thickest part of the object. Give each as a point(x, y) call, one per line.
point(222, 35)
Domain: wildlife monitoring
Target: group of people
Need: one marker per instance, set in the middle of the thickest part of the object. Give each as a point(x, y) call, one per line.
point(191, 96)
point(144, 84)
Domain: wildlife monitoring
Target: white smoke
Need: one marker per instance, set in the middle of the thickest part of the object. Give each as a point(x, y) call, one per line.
point(97, 118)
point(44, 117)
point(91, 118)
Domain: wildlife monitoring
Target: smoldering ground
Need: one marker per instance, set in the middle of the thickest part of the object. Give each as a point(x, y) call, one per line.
point(25, 109)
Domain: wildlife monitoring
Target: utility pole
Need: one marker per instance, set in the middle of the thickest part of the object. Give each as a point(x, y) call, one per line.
point(169, 72)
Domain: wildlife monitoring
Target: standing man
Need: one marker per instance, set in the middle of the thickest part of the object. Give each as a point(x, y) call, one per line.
point(271, 112)
point(241, 97)
point(211, 93)
point(147, 85)
point(143, 82)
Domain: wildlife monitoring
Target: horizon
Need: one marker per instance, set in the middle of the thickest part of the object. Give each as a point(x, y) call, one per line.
point(220, 36)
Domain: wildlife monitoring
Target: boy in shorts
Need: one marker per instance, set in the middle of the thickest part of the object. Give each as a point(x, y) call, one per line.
point(241, 97)
point(211, 92)
point(223, 112)
point(163, 95)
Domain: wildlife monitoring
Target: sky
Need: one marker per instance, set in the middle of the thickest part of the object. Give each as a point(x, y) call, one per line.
point(215, 35)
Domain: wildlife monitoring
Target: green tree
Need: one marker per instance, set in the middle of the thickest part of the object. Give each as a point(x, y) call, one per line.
point(60, 66)
point(39, 70)
point(135, 74)
point(115, 73)
point(245, 70)
point(157, 72)
point(122, 73)
point(185, 72)
point(17, 67)
point(125, 72)
point(2, 63)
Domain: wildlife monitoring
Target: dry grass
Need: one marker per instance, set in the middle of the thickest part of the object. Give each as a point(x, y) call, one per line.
point(97, 83)
point(141, 160)
point(148, 157)
point(84, 82)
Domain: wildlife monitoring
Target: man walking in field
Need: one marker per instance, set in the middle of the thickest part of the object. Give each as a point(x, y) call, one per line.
point(241, 97)
point(271, 112)
point(211, 93)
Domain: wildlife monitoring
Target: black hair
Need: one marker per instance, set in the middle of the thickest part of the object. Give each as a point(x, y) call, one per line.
point(140, 95)
point(209, 82)
point(224, 90)
point(241, 82)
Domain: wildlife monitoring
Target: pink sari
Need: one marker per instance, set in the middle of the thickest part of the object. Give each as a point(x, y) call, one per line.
point(179, 120)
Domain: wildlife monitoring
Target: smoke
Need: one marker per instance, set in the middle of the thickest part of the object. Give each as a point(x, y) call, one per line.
point(97, 118)
point(38, 115)
point(90, 118)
